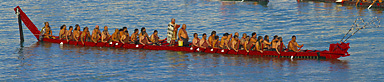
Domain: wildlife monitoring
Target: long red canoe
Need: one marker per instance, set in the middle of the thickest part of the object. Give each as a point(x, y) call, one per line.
point(335, 50)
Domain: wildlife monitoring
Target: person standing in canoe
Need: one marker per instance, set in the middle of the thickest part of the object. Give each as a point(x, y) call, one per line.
point(172, 32)
point(210, 38)
point(95, 34)
point(203, 41)
point(47, 32)
point(105, 35)
point(195, 41)
point(85, 35)
point(293, 46)
point(76, 33)
point(68, 34)
point(62, 33)
point(183, 35)
point(134, 37)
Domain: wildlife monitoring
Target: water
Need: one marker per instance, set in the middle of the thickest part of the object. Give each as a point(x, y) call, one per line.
point(316, 24)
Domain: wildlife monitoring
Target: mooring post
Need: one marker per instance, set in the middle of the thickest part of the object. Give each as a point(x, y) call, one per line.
point(20, 26)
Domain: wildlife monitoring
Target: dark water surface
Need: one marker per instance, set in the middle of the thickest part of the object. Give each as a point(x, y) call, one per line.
point(316, 24)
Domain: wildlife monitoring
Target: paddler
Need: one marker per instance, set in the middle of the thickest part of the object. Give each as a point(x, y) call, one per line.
point(242, 41)
point(122, 32)
point(62, 33)
point(195, 41)
point(293, 46)
point(215, 42)
point(266, 43)
point(68, 34)
point(224, 41)
point(281, 45)
point(259, 44)
point(124, 38)
point(235, 43)
point(105, 35)
point(96, 34)
point(171, 32)
point(274, 44)
point(115, 36)
point(47, 31)
point(143, 37)
point(203, 41)
point(76, 33)
point(210, 38)
point(155, 38)
point(85, 35)
point(183, 35)
point(134, 37)
point(246, 47)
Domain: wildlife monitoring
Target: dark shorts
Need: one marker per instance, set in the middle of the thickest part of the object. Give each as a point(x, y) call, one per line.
point(185, 41)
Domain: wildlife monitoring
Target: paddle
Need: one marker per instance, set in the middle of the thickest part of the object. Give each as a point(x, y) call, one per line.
point(355, 25)
point(371, 4)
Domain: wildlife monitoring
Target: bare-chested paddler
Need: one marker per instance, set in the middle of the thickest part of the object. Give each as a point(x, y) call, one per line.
point(235, 43)
point(259, 43)
point(266, 43)
point(293, 46)
point(203, 41)
point(215, 42)
point(122, 31)
point(155, 38)
point(63, 29)
point(195, 41)
point(115, 36)
point(210, 38)
point(85, 35)
point(76, 33)
point(68, 34)
point(224, 41)
point(105, 35)
point(183, 35)
point(143, 37)
point(134, 37)
point(96, 34)
point(246, 47)
point(242, 40)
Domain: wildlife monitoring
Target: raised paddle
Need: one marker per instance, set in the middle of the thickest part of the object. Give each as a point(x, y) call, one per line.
point(371, 4)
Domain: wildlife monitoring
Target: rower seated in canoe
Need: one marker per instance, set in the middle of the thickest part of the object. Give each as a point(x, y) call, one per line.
point(85, 36)
point(281, 46)
point(183, 36)
point(115, 36)
point(76, 33)
point(203, 41)
point(224, 41)
point(62, 31)
point(68, 34)
point(274, 44)
point(96, 34)
point(155, 38)
point(266, 43)
point(242, 40)
point(235, 43)
point(47, 32)
point(134, 35)
point(105, 35)
point(143, 37)
point(293, 46)
point(211, 37)
point(259, 44)
point(125, 37)
point(215, 42)
point(195, 41)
